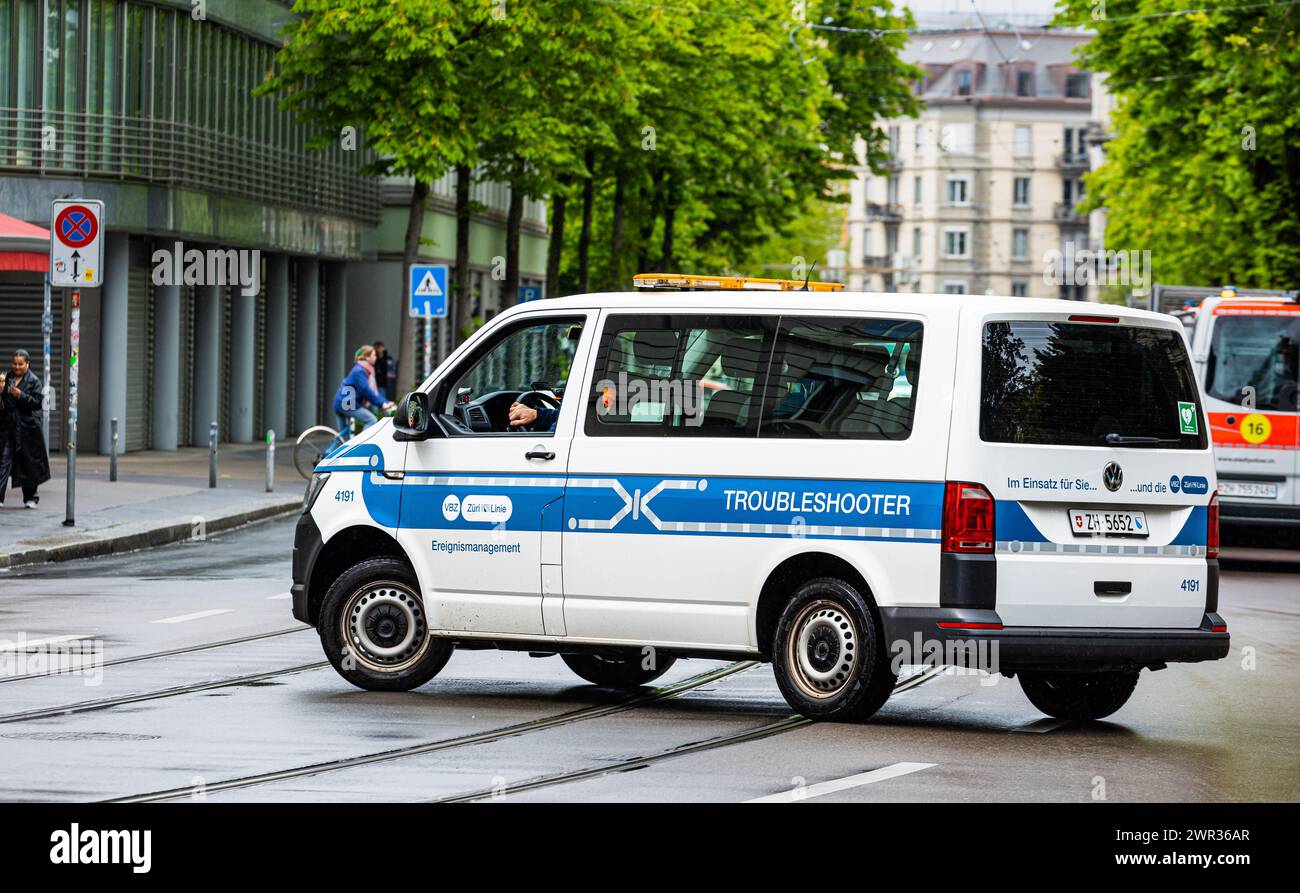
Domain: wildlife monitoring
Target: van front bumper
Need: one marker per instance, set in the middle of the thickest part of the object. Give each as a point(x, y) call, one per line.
point(916, 632)
point(307, 544)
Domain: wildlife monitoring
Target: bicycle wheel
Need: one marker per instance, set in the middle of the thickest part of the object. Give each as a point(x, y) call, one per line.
point(312, 446)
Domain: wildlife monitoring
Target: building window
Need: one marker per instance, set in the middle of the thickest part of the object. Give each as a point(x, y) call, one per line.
point(895, 141)
point(916, 190)
point(891, 243)
point(958, 139)
point(957, 189)
point(1021, 194)
point(1074, 148)
point(891, 190)
point(1019, 289)
point(1020, 243)
point(1024, 83)
point(1076, 86)
point(916, 243)
point(1024, 141)
point(964, 82)
point(956, 242)
point(918, 138)
point(866, 241)
point(954, 287)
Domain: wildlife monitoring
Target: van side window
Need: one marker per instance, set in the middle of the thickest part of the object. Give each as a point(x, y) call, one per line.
point(679, 375)
point(843, 378)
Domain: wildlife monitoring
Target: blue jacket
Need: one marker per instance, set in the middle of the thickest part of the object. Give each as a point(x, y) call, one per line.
point(356, 386)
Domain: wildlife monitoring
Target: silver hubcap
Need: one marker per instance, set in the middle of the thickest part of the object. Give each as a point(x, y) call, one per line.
point(823, 650)
point(383, 623)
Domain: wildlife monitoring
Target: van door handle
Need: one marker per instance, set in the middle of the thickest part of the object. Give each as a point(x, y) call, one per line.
point(539, 454)
point(1112, 587)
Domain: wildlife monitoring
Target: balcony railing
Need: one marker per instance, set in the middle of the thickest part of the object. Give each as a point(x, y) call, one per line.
point(892, 211)
point(1068, 213)
point(149, 150)
point(1072, 160)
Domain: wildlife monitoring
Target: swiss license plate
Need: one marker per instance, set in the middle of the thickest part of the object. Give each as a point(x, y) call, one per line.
point(1248, 489)
point(1107, 522)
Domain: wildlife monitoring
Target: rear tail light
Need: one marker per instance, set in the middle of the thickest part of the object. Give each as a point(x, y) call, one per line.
point(1081, 317)
point(967, 518)
point(1212, 527)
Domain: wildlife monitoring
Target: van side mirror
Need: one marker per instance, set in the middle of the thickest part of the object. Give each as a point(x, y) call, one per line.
point(413, 421)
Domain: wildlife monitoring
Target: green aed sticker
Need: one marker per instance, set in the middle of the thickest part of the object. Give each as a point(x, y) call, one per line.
point(1187, 418)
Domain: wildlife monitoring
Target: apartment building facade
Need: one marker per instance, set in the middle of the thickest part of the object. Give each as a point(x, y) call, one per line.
point(983, 189)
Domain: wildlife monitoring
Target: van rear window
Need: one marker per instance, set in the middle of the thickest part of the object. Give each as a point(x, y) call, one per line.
point(1073, 384)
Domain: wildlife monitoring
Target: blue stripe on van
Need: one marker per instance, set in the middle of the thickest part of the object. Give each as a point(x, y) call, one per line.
point(1011, 523)
point(646, 504)
point(1196, 530)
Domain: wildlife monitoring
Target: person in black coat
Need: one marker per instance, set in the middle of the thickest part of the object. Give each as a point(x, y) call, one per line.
point(22, 445)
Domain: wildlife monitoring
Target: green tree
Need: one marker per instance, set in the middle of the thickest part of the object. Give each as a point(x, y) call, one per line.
point(1204, 166)
point(397, 73)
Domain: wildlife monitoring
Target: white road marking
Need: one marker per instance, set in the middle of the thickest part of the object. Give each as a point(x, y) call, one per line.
point(197, 615)
point(843, 784)
point(29, 644)
point(281, 595)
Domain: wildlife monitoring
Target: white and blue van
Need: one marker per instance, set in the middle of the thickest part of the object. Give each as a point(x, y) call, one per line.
point(825, 481)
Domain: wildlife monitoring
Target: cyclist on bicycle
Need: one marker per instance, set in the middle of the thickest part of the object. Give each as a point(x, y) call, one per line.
point(358, 393)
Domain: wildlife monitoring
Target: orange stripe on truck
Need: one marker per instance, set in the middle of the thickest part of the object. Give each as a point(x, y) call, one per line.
point(1262, 430)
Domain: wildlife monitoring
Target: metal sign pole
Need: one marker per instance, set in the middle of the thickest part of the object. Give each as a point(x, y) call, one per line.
point(73, 369)
point(47, 329)
point(428, 345)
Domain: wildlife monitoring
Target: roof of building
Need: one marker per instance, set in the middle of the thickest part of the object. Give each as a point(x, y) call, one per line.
point(994, 57)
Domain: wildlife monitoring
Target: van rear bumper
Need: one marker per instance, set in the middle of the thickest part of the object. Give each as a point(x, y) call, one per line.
point(916, 632)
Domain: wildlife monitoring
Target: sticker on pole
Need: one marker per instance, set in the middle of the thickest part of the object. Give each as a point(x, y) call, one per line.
point(76, 243)
point(428, 291)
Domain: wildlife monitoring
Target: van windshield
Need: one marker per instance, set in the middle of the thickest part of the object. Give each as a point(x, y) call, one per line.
point(1073, 384)
point(1255, 355)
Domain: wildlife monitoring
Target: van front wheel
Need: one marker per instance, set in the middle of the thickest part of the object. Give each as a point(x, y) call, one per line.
point(630, 669)
point(1079, 696)
point(374, 630)
point(827, 653)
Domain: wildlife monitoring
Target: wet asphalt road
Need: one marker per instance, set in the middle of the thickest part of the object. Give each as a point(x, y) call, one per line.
point(263, 719)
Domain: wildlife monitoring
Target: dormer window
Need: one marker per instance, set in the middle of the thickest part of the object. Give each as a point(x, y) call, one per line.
point(964, 82)
point(1076, 86)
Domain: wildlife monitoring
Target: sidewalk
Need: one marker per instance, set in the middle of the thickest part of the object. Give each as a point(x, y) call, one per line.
point(158, 498)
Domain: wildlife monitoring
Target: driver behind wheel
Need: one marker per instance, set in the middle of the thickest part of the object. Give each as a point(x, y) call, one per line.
point(541, 419)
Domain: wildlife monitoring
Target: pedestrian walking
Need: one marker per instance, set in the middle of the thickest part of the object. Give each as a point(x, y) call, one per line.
point(22, 445)
point(384, 368)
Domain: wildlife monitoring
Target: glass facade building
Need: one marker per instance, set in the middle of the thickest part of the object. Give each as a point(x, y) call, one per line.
point(149, 107)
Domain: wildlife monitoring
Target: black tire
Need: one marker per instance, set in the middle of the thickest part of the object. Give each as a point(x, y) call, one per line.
point(381, 598)
point(625, 670)
point(1079, 696)
point(829, 655)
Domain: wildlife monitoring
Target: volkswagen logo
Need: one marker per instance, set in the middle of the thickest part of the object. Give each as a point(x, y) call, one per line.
point(1112, 476)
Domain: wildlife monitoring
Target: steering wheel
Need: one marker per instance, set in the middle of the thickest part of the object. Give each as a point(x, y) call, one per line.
point(531, 399)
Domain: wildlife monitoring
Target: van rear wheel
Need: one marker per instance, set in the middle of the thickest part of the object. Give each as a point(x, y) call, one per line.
point(374, 630)
point(629, 669)
point(828, 653)
point(1079, 696)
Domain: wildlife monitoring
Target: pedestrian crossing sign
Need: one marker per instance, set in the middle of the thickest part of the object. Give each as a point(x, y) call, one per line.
point(427, 290)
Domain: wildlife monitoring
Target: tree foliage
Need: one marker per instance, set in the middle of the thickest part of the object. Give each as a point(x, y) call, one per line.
point(701, 130)
point(1204, 166)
